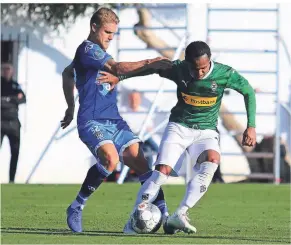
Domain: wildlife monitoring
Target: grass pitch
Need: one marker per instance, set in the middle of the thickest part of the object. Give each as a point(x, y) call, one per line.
point(228, 213)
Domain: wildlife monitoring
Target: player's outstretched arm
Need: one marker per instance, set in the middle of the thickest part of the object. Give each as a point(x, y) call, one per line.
point(95, 58)
point(163, 68)
point(113, 80)
point(118, 71)
point(241, 85)
point(132, 68)
point(68, 88)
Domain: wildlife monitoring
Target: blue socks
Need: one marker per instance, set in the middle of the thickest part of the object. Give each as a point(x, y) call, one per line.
point(95, 176)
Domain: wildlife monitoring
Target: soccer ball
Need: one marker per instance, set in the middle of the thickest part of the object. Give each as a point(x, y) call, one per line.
point(146, 218)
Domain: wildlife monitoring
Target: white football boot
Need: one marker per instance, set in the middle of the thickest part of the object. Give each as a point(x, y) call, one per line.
point(168, 229)
point(180, 221)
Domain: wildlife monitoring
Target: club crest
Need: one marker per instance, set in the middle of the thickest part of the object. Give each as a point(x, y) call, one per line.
point(98, 54)
point(213, 86)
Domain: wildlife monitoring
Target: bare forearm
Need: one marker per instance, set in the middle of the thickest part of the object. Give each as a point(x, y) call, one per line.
point(128, 68)
point(137, 74)
point(124, 70)
point(68, 87)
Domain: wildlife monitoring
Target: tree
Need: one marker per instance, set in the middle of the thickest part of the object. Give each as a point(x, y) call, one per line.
point(51, 15)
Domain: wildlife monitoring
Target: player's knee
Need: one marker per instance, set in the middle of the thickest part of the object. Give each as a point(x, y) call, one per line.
point(165, 169)
point(209, 156)
point(133, 150)
point(109, 161)
point(213, 156)
point(214, 160)
point(108, 156)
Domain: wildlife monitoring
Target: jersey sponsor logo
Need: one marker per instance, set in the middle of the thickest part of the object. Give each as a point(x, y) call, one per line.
point(199, 101)
point(88, 47)
point(98, 54)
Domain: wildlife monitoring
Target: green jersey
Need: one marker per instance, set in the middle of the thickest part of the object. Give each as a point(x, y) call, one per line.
point(199, 100)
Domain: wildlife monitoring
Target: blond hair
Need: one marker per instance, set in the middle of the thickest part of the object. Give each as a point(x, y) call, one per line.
point(103, 16)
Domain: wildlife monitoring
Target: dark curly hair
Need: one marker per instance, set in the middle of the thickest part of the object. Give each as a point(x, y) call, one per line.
point(196, 49)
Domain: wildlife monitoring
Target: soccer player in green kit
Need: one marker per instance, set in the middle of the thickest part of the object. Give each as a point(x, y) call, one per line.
point(192, 127)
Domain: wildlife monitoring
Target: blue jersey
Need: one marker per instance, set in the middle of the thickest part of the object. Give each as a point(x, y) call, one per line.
point(96, 101)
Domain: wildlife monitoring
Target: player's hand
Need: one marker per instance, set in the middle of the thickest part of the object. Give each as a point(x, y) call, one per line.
point(160, 63)
point(69, 115)
point(107, 78)
point(249, 137)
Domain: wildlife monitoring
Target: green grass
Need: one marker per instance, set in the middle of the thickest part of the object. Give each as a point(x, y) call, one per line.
point(231, 213)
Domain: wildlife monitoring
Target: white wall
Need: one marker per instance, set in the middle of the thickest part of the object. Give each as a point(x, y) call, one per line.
point(67, 160)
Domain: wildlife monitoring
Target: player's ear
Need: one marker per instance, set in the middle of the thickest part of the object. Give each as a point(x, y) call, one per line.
point(94, 27)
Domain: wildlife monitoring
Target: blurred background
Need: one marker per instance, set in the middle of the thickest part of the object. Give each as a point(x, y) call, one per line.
point(39, 41)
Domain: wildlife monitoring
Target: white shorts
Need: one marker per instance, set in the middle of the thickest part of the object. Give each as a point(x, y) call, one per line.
point(179, 141)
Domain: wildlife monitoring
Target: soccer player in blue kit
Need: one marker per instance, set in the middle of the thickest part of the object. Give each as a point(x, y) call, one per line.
point(100, 125)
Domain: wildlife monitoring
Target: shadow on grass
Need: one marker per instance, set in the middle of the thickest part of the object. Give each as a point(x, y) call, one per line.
point(67, 232)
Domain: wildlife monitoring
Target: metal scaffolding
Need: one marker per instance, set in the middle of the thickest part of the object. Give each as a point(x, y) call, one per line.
point(272, 31)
